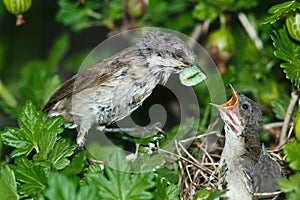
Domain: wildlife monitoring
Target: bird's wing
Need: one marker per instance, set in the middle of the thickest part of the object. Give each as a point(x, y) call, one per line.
point(248, 178)
point(96, 74)
point(89, 77)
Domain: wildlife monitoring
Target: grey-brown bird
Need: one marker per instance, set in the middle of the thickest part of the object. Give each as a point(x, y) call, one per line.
point(245, 167)
point(113, 88)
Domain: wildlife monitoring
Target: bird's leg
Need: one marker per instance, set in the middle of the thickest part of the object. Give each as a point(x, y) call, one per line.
point(81, 137)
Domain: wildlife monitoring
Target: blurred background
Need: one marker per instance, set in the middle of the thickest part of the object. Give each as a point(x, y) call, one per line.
point(49, 47)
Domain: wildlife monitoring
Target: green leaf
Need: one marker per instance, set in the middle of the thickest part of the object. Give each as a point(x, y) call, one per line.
point(8, 185)
point(26, 138)
point(118, 183)
point(167, 174)
point(288, 51)
point(60, 187)
point(78, 17)
point(13, 137)
point(42, 137)
point(145, 162)
point(292, 150)
point(280, 106)
point(61, 150)
point(32, 177)
point(48, 138)
point(208, 194)
point(165, 191)
point(279, 11)
point(291, 187)
point(202, 11)
point(77, 164)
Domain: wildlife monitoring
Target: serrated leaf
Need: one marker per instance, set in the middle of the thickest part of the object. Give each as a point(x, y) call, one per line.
point(279, 11)
point(8, 185)
point(30, 122)
point(118, 183)
point(165, 191)
point(291, 187)
point(33, 133)
point(12, 137)
point(60, 152)
point(292, 150)
point(288, 51)
point(48, 137)
point(32, 177)
point(60, 187)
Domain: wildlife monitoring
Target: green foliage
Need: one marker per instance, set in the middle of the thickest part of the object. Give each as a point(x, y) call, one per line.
point(33, 134)
point(37, 86)
point(208, 194)
point(31, 175)
point(288, 51)
point(177, 10)
point(291, 187)
point(280, 11)
point(280, 106)
point(211, 9)
point(45, 163)
point(165, 191)
point(8, 185)
point(86, 15)
point(43, 142)
point(117, 183)
point(292, 151)
point(60, 187)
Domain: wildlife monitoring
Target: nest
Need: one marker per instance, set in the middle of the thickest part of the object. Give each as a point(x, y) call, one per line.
point(201, 172)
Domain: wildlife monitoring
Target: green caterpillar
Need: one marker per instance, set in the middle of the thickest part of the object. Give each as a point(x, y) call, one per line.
point(18, 7)
point(191, 76)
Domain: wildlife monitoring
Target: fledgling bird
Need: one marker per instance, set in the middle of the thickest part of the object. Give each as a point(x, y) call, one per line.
point(114, 87)
point(245, 167)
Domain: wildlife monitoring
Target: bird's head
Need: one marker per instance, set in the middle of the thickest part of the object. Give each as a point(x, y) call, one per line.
point(241, 116)
point(171, 53)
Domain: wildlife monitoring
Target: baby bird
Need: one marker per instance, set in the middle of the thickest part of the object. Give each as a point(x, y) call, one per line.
point(245, 165)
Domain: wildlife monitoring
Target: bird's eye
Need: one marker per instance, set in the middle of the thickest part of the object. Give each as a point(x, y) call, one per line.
point(180, 53)
point(245, 106)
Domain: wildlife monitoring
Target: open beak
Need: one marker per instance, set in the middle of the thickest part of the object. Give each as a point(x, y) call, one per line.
point(230, 113)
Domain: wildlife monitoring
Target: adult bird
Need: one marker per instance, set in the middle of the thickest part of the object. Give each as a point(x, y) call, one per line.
point(114, 87)
point(245, 167)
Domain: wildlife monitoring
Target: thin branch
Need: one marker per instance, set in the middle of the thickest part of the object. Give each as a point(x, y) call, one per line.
point(199, 136)
point(197, 31)
point(287, 118)
point(272, 125)
point(250, 30)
